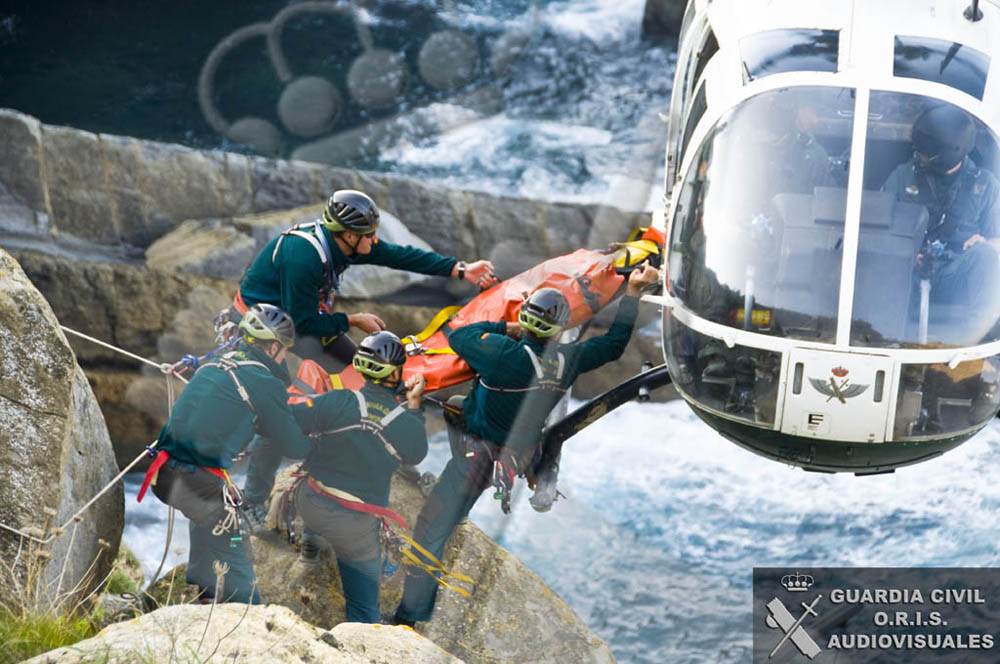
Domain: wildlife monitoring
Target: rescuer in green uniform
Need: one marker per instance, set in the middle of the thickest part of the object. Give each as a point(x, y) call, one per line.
point(300, 271)
point(362, 437)
point(213, 420)
point(523, 372)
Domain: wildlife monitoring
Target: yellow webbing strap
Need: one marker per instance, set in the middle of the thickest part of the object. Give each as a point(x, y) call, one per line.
point(336, 382)
point(435, 566)
point(440, 318)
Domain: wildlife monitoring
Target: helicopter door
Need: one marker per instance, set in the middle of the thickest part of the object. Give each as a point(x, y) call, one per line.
point(837, 396)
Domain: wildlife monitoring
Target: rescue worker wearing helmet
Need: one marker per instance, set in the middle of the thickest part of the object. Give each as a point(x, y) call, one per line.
point(300, 270)
point(960, 248)
point(522, 374)
point(360, 438)
point(227, 400)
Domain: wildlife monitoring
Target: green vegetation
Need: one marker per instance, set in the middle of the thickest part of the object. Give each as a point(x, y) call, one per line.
point(37, 615)
point(26, 634)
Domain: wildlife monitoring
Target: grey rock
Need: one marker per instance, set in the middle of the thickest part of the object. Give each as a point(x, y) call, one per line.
point(513, 615)
point(242, 633)
point(211, 248)
point(55, 452)
point(21, 167)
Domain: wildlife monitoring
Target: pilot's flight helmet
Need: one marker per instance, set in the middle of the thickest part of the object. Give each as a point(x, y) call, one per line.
point(266, 322)
point(379, 355)
point(351, 210)
point(544, 313)
point(942, 136)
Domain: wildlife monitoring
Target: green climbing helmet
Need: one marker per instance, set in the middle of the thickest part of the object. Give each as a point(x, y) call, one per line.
point(544, 313)
point(351, 210)
point(266, 322)
point(379, 355)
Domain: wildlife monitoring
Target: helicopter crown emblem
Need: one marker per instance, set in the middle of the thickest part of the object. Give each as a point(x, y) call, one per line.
point(839, 372)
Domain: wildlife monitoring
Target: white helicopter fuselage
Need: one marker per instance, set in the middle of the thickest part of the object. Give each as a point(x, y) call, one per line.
point(831, 300)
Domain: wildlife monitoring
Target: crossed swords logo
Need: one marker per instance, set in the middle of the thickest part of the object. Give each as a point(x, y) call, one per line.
point(781, 618)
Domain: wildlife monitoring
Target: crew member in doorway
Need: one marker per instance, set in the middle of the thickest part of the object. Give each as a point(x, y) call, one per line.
point(522, 373)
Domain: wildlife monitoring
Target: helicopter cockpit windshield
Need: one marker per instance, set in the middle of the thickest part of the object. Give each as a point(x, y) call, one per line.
point(760, 222)
point(746, 227)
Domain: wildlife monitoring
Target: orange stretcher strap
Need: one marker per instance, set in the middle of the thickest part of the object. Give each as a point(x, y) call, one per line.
point(356, 505)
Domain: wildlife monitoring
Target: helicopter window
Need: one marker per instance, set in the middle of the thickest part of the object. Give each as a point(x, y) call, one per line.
point(698, 107)
point(745, 231)
point(951, 63)
point(777, 51)
point(708, 49)
point(740, 382)
point(928, 267)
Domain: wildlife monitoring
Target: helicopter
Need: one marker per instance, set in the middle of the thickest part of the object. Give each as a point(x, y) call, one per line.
point(805, 315)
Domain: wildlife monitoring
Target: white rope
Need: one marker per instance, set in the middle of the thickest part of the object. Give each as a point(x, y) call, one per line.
point(167, 369)
point(164, 367)
point(80, 511)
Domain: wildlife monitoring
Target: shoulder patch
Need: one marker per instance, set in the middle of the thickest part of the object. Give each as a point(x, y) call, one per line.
point(978, 189)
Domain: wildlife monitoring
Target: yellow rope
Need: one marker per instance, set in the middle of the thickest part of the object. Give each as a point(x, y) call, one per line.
point(435, 566)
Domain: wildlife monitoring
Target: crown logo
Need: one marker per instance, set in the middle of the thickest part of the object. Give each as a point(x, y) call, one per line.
point(797, 583)
point(839, 372)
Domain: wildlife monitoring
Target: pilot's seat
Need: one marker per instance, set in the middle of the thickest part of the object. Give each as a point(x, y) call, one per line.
point(808, 281)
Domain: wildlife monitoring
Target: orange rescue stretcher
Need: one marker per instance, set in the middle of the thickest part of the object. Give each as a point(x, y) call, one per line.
point(589, 279)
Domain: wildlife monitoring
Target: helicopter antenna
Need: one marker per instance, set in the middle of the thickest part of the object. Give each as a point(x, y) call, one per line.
point(972, 12)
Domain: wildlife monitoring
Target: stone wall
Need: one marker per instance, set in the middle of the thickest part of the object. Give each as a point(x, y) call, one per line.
point(78, 189)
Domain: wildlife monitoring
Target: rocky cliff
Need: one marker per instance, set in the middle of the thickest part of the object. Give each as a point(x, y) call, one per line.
point(55, 454)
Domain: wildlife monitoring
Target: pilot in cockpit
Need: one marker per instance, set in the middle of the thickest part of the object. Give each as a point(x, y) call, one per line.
point(959, 254)
point(794, 162)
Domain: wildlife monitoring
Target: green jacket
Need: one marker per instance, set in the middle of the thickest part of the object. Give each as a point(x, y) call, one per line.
point(295, 279)
point(357, 461)
point(211, 423)
point(495, 410)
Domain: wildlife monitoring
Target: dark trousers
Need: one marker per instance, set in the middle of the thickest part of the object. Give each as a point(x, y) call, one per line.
point(457, 490)
point(354, 537)
point(215, 535)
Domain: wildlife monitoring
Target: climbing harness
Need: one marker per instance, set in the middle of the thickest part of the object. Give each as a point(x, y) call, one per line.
point(312, 232)
point(369, 425)
point(542, 382)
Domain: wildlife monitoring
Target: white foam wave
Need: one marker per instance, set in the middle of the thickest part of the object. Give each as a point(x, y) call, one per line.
point(600, 21)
